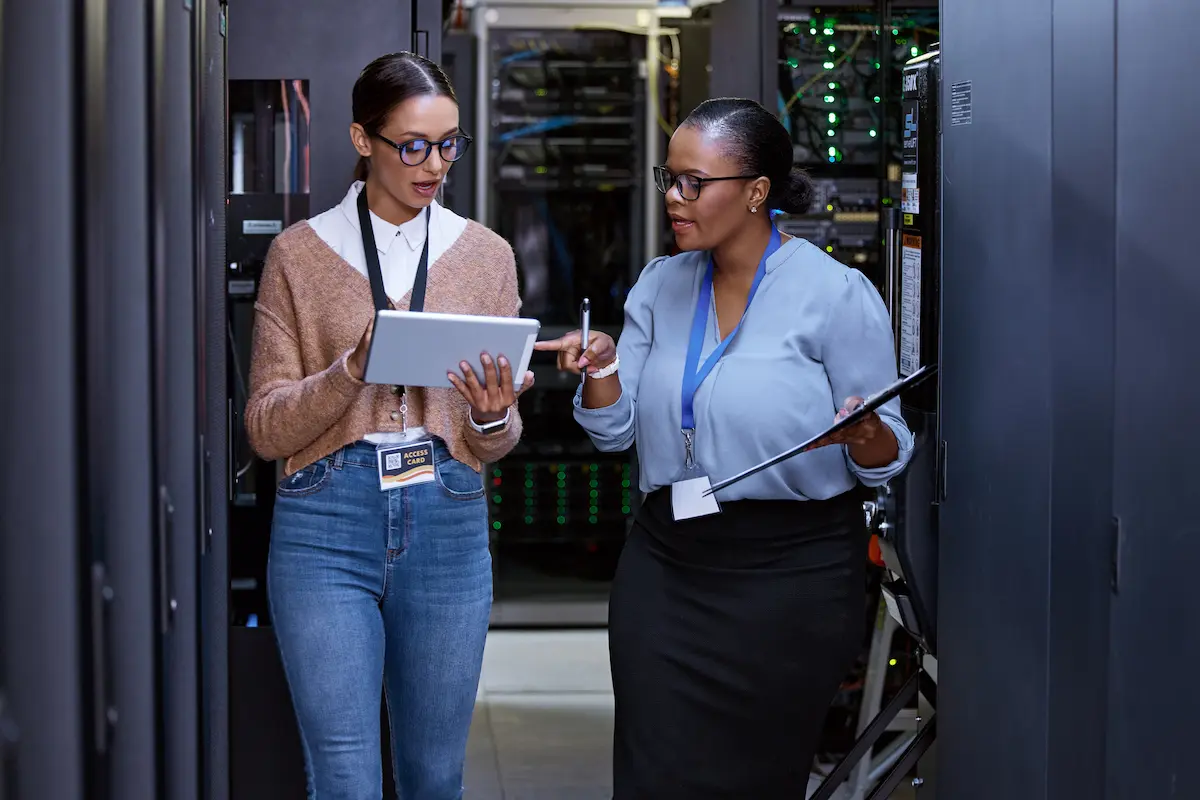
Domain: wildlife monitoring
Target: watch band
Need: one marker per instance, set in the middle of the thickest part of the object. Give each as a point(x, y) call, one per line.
point(490, 427)
point(606, 371)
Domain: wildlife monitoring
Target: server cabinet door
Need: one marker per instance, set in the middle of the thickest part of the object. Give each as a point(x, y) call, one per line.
point(41, 662)
point(210, 185)
point(175, 410)
point(119, 444)
point(1153, 699)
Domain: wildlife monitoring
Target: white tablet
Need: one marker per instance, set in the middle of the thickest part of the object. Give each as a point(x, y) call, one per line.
point(418, 348)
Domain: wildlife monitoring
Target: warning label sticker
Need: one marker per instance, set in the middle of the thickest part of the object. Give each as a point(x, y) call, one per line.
point(910, 304)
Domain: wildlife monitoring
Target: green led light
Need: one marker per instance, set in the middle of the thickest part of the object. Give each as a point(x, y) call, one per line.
point(895, 31)
point(829, 31)
point(877, 98)
point(497, 525)
point(832, 118)
point(874, 133)
point(830, 131)
point(594, 484)
point(528, 520)
point(625, 484)
point(828, 65)
point(813, 31)
point(828, 248)
point(833, 86)
point(595, 494)
point(496, 473)
point(793, 62)
point(876, 65)
point(562, 520)
point(914, 51)
point(833, 151)
point(593, 519)
point(624, 509)
point(832, 49)
point(828, 98)
point(528, 484)
point(529, 502)
point(497, 499)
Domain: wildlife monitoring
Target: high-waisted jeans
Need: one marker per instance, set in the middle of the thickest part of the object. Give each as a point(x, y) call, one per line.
point(369, 589)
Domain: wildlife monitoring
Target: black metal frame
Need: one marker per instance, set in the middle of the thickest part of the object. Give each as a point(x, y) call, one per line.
point(919, 682)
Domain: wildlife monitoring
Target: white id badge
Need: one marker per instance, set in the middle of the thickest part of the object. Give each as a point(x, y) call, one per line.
point(405, 465)
point(688, 500)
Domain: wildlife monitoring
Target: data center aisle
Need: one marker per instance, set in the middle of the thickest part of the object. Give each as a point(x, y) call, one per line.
point(544, 720)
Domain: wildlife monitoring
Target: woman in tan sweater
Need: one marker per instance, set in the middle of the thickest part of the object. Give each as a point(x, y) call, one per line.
point(379, 576)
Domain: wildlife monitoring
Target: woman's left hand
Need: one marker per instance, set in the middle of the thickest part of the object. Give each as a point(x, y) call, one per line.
point(863, 432)
point(490, 400)
point(871, 442)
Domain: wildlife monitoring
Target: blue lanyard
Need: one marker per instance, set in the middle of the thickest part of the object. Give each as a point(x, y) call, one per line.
point(692, 378)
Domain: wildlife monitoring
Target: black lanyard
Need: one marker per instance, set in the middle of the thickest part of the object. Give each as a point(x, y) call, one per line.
point(375, 273)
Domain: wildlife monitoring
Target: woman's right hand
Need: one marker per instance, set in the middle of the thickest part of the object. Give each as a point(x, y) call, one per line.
point(601, 351)
point(356, 364)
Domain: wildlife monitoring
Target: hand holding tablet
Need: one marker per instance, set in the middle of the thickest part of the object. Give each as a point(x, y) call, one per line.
point(491, 398)
point(423, 349)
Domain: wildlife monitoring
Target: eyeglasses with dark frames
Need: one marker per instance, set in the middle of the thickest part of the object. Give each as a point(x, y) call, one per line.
point(415, 152)
point(689, 185)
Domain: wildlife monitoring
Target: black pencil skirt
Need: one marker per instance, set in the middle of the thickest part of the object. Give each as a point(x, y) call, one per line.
point(729, 637)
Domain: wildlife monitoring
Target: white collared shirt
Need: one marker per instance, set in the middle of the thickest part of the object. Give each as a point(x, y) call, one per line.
point(399, 249)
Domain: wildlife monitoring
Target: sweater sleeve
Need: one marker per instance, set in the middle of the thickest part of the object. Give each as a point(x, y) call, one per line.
point(288, 410)
point(490, 448)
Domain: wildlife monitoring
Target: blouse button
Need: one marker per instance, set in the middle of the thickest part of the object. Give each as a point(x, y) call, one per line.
point(395, 415)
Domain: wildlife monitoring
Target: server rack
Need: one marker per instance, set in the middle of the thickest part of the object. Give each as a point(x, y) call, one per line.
point(840, 96)
point(565, 139)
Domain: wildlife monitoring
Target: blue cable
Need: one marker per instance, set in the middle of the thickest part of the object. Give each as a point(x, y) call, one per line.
point(550, 124)
point(522, 55)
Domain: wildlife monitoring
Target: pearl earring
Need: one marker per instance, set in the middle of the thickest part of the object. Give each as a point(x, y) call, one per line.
point(753, 209)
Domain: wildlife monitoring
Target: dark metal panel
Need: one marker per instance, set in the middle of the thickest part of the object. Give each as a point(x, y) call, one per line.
point(328, 44)
point(1081, 391)
point(1153, 699)
point(39, 587)
point(695, 63)
point(458, 59)
point(172, 206)
point(744, 33)
point(210, 239)
point(121, 458)
point(994, 565)
point(427, 29)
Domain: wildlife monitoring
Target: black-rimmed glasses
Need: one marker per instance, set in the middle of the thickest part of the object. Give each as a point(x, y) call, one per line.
point(414, 152)
point(689, 185)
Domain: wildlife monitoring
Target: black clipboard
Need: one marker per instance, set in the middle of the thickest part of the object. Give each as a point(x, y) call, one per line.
point(854, 417)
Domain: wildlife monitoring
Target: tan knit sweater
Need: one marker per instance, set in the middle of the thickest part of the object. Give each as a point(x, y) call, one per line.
point(312, 309)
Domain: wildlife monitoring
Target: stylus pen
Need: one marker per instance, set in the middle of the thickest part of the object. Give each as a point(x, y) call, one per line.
point(585, 313)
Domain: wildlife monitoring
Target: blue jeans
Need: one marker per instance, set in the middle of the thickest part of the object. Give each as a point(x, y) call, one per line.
point(372, 589)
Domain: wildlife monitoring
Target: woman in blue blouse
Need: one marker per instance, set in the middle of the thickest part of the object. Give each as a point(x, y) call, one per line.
point(730, 629)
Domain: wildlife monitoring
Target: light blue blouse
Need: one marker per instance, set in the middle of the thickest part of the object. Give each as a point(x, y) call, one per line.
point(816, 333)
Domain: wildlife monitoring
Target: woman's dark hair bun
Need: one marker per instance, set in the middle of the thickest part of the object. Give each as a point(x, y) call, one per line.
point(759, 144)
point(386, 83)
point(796, 195)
